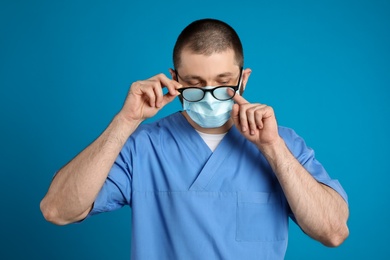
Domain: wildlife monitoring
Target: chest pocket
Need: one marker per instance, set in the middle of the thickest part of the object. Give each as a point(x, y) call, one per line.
point(261, 217)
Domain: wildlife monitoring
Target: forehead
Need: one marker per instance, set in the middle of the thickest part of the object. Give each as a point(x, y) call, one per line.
point(206, 66)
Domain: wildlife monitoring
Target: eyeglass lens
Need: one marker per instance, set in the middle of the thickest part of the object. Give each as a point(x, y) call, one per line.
point(220, 93)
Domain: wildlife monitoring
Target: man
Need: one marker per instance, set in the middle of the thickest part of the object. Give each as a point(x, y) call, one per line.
point(215, 181)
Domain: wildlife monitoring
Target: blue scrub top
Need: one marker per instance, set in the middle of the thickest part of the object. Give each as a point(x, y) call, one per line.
point(191, 203)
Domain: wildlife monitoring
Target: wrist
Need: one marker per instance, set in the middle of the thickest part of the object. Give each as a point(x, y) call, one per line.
point(274, 150)
point(279, 156)
point(127, 125)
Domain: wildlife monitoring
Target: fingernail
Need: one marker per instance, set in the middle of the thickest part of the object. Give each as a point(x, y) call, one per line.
point(243, 128)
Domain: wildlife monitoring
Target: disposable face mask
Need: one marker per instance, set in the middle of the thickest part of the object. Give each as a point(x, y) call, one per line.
point(209, 112)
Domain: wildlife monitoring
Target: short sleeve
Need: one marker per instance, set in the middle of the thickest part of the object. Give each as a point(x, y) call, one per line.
point(116, 191)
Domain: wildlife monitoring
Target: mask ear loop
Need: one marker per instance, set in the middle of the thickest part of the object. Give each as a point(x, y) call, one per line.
point(239, 91)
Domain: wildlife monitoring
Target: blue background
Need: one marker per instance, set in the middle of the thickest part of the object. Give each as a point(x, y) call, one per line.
point(65, 69)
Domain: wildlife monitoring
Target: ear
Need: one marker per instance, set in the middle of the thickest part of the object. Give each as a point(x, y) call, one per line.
point(245, 76)
point(173, 74)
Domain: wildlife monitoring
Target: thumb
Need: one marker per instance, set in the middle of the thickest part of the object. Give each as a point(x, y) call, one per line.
point(168, 98)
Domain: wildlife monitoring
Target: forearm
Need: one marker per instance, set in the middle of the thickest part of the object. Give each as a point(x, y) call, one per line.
point(319, 210)
point(75, 187)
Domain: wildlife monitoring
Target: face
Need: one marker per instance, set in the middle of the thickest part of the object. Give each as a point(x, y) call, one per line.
point(218, 69)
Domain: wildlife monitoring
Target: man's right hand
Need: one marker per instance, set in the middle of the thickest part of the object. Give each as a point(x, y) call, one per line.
point(145, 98)
point(74, 189)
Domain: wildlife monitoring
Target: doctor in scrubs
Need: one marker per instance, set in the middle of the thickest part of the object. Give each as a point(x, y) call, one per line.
point(217, 180)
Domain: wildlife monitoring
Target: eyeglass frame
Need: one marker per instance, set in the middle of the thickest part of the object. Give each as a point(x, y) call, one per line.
point(235, 88)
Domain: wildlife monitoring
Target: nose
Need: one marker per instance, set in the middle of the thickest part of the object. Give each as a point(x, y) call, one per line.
point(208, 96)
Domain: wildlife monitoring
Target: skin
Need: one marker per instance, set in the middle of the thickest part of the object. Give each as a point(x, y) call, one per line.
point(320, 211)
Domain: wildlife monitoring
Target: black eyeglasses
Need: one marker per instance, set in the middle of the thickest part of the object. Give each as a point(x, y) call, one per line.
point(222, 93)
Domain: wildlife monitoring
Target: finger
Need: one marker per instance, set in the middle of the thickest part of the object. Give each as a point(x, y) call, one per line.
point(268, 113)
point(151, 96)
point(167, 98)
point(240, 100)
point(170, 84)
point(250, 115)
point(247, 117)
point(158, 94)
point(235, 115)
point(243, 118)
point(258, 115)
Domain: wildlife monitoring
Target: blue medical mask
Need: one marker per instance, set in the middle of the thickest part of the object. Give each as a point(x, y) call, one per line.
point(209, 112)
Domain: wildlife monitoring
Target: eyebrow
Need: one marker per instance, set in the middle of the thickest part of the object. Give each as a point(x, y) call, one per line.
point(190, 77)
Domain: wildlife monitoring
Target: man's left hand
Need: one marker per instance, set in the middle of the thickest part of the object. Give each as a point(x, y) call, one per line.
point(256, 122)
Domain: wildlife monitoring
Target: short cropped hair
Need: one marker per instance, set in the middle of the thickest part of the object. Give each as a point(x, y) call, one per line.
point(208, 36)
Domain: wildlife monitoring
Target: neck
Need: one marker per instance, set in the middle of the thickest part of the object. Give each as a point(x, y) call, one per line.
point(217, 130)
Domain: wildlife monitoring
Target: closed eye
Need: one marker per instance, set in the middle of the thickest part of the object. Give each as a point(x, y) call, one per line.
point(225, 82)
point(194, 84)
